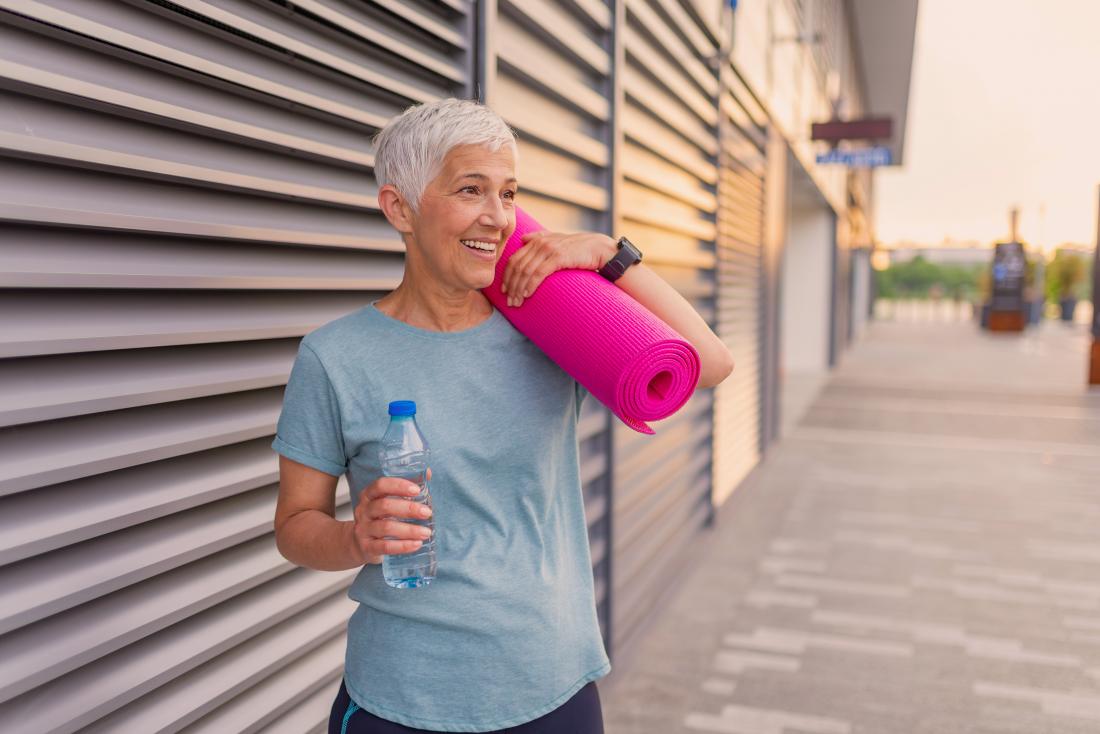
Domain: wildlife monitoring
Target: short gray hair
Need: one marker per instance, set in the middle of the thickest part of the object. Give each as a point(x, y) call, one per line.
point(409, 150)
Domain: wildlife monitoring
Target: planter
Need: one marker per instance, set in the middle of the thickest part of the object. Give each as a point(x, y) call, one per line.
point(1035, 312)
point(1068, 306)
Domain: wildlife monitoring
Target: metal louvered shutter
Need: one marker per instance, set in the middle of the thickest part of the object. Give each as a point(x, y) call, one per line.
point(549, 79)
point(186, 190)
point(738, 419)
point(662, 483)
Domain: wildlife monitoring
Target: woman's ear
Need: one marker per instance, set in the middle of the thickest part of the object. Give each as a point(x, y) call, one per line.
point(395, 208)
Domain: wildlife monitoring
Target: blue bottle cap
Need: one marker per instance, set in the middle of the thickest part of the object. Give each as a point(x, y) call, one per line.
point(403, 407)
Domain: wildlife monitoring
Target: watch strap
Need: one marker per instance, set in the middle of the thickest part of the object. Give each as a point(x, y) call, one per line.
point(626, 256)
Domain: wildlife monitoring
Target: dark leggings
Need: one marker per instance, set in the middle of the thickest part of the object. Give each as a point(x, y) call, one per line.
point(581, 714)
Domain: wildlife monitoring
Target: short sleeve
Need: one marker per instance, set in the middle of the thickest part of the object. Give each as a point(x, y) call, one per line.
point(309, 429)
point(582, 393)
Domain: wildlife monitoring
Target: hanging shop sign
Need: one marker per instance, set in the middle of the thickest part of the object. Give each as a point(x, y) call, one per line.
point(866, 128)
point(860, 158)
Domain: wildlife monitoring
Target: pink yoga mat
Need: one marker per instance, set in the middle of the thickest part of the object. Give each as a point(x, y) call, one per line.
point(629, 359)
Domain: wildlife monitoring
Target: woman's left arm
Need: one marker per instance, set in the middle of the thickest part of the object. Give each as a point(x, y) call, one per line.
point(650, 290)
point(547, 252)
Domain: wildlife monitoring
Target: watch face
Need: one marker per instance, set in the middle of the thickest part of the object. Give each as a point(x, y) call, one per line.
point(625, 244)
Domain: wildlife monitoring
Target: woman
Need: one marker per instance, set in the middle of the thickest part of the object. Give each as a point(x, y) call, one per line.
point(506, 636)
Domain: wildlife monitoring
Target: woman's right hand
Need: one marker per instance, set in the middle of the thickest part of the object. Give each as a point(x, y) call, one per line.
point(380, 529)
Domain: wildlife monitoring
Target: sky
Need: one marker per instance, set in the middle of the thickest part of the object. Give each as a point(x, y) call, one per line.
point(1004, 109)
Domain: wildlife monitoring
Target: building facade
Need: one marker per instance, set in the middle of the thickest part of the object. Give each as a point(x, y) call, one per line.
point(187, 190)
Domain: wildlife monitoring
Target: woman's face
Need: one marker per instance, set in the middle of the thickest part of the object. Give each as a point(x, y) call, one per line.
point(472, 198)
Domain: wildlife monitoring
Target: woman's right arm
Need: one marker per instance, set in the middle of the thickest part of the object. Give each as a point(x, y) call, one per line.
point(308, 534)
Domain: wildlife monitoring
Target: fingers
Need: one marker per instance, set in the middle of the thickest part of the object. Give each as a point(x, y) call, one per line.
point(390, 487)
point(379, 526)
point(393, 507)
point(525, 272)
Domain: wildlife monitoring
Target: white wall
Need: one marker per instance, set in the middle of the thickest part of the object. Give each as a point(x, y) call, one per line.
point(806, 292)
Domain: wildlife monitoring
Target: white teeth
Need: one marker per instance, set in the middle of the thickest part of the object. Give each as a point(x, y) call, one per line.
point(486, 246)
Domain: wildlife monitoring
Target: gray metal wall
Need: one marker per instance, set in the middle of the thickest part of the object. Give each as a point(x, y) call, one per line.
point(662, 483)
point(739, 410)
point(547, 70)
point(186, 190)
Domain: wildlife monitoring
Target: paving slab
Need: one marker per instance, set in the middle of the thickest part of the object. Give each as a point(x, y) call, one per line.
point(921, 553)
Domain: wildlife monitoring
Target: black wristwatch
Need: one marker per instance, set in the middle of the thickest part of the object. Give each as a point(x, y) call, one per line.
point(627, 255)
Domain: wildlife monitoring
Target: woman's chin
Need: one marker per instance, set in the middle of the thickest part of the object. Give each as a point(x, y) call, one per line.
point(484, 282)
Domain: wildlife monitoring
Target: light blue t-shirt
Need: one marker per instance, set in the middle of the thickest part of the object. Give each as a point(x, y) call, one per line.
point(507, 631)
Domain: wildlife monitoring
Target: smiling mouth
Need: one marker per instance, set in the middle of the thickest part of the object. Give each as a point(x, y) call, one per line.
point(487, 248)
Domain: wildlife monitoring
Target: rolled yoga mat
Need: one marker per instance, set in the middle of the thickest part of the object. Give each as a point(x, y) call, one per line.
point(629, 359)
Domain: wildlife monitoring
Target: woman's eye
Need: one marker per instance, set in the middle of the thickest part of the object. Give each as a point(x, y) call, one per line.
point(471, 189)
point(510, 194)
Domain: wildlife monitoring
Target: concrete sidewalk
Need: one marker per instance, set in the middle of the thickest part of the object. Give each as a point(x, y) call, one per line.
point(921, 554)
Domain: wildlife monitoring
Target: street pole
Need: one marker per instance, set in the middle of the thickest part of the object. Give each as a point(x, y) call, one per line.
point(1094, 366)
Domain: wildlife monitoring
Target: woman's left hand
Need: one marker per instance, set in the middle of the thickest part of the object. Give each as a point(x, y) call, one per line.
point(546, 252)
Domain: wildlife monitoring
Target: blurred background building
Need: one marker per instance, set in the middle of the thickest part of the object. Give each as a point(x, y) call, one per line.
point(187, 191)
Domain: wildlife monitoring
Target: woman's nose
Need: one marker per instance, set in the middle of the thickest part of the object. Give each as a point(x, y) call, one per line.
point(494, 215)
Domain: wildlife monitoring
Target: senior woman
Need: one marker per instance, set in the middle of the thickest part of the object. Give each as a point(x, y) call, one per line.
point(506, 637)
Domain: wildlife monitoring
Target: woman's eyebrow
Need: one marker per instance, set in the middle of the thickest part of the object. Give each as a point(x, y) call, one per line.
point(483, 177)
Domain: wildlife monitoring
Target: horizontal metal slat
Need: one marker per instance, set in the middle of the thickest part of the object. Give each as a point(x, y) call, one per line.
point(56, 451)
point(642, 54)
point(48, 518)
point(70, 639)
point(651, 447)
point(113, 161)
point(643, 204)
point(309, 716)
point(36, 257)
point(569, 190)
point(103, 33)
point(675, 520)
point(644, 93)
point(276, 616)
point(38, 587)
point(311, 652)
point(416, 15)
point(561, 29)
point(88, 199)
point(643, 167)
point(677, 51)
point(665, 248)
point(310, 682)
point(703, 46)
point(51, 323)
point(595, 10)
point(533, 122)
point(641, 128)
point(44, 388)
point(664, 477)
point(745, 97)
point(527, 58)
point(741, 122)
point(72, 90)
point(349, 20)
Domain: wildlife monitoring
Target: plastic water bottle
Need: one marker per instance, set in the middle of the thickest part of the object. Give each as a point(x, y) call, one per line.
point(404, 453)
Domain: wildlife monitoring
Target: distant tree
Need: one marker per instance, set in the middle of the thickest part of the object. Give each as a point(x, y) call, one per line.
point(1067, 276)
point(914, 279)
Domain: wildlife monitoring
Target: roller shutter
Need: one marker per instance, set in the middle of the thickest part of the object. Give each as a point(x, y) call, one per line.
point(738, 419)
point(550, 70)
point(186, 190)
point(669, 207)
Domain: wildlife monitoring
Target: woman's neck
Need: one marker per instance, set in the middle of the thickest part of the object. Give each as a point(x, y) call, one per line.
point(434, 310)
